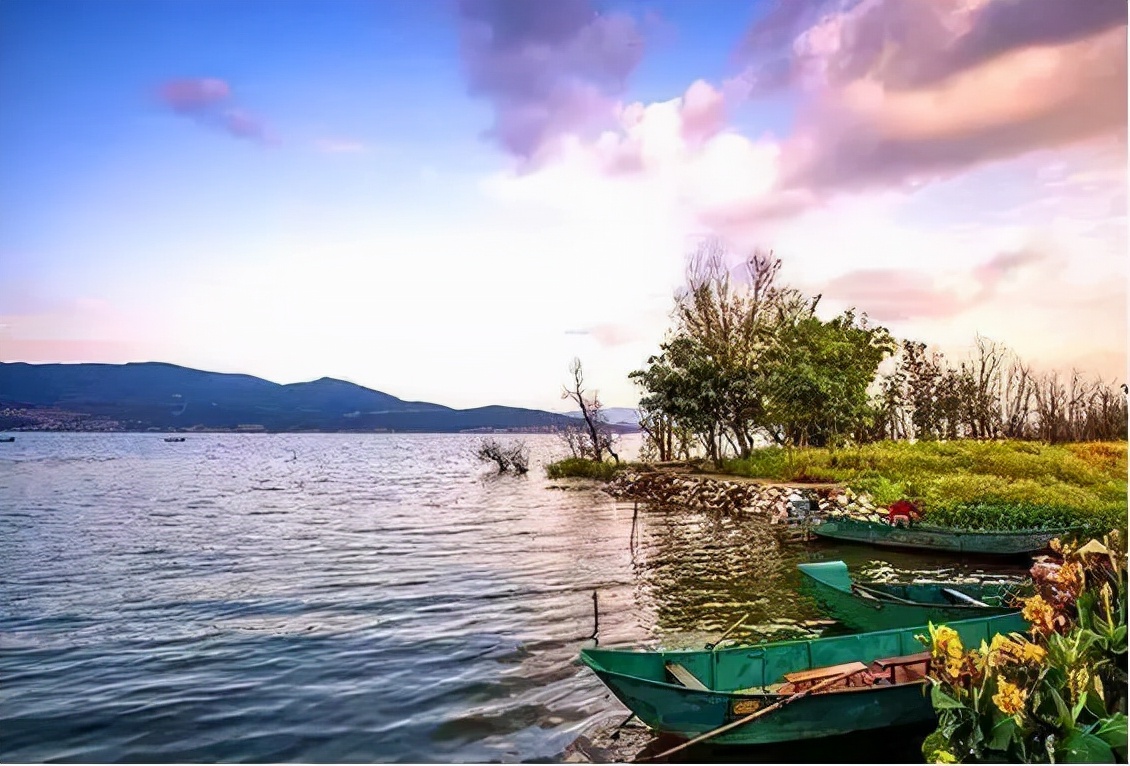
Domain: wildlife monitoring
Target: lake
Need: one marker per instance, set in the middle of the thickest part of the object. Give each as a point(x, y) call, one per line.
point(348, 597)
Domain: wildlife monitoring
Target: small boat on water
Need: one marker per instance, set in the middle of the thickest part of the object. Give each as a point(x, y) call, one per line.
point(925, 537)
point(882, 606)
point(853, 683)
point(174, 438)
point(7, 438)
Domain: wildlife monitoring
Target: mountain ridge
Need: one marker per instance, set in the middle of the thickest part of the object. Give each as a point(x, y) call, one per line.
point(160, 396)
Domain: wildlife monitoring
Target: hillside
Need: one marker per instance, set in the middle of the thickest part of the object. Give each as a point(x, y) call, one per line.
point(154, 395)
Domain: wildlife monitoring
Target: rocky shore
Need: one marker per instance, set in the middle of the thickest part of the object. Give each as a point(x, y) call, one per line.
point(738, 496)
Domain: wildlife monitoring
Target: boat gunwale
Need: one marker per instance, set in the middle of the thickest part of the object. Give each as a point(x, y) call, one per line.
point(745, 695)
point(804, 569)
point(950, 530)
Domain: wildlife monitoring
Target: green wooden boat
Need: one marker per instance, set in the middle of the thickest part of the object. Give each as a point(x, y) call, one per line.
point(882, 606)
point(925, 537)
point(688, 692)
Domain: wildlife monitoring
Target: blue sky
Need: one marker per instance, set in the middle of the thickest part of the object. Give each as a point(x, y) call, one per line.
point(450, 200)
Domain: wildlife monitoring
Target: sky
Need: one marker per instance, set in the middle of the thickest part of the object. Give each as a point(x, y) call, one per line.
point(448, 201)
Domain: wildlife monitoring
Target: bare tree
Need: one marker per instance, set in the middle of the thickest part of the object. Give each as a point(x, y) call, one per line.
point(1017, 390)
point(509, 457)
point(596, 439)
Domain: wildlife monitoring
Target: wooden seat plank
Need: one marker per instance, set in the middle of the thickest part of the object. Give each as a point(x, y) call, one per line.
point(906, 659)
point(685, 677)
point(817, 674)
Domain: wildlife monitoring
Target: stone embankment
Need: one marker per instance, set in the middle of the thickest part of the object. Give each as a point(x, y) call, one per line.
point(777, 502)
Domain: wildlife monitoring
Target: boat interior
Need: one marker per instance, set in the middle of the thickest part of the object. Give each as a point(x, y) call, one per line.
point(889, 657)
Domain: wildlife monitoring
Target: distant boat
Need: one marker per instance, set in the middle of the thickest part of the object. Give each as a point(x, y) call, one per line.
point(852, 683)
point(882, 606)
point(925, 537)
point(174, 438)
point(7, 438)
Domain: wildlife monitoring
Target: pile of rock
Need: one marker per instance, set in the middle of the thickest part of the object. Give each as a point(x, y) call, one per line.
point(850, 505)
point(778, 503)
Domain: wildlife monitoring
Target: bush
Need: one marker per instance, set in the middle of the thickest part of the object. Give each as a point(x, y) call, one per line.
point(508, 457)
point(579, 467)
point(1058, 695)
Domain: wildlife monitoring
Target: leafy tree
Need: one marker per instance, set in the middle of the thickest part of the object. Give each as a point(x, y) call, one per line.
point(749, 358)
point(817, 378)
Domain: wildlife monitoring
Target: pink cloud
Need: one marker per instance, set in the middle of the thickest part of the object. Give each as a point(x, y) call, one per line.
point(209, 102)
point(548, 69)
point(898, 294)
point(906, 92)
point(895, 294)
point(703, 113)
point(194, 94)
point(863, 134)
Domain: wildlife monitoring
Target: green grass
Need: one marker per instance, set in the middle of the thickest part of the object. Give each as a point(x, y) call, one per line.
point(576, 467)
point(1002, 484)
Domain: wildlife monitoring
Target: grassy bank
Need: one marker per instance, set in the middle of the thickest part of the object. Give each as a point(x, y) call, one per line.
point(1003, 484)
point(580, 468)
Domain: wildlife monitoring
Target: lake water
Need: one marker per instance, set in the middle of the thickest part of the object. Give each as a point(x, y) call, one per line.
point(334, 597)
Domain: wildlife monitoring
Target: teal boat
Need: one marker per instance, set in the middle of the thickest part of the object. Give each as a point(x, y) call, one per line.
point(882, 606)
point(689, 693)
point(925, 537)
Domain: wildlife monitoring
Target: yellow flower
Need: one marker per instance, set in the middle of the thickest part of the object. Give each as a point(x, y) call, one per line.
point(1077, 682)
point(1040, 614)
point(999, 652)
point(947, 643)
point(1070, 577)
point(1010, 698)
point(943, 756)
point(1033, 654)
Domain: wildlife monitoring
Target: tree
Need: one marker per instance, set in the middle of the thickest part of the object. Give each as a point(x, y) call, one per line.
point(817, 378)
point(748, 359)
point(511, 457)
point(595, 439)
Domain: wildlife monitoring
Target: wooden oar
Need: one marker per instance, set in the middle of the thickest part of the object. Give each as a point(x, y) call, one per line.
point(729, 630)
point(858, 667)
point(881, 596)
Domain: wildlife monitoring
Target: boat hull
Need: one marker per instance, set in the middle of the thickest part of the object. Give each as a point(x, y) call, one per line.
point(688, 713)
point(826, 582)
point(922, 537)
point(734, 678)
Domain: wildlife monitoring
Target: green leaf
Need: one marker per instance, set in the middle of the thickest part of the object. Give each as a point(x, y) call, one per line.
point(1080, 747)
point(1112, 731)
point(1002, 734)
point(1066, 720)
point(1095, 705)
point(942, 701)
point(1082, 703)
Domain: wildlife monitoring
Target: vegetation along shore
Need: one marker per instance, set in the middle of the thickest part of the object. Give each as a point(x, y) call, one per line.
point(751, 383)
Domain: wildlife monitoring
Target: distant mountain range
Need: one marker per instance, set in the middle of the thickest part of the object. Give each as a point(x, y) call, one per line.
point(620, 416)
point(157, 396)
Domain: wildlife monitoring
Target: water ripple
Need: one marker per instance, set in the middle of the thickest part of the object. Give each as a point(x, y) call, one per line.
point(269, 598)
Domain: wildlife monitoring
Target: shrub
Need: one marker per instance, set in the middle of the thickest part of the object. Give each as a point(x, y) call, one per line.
point(1058, 696)
point(508, 457)
point(579, 467)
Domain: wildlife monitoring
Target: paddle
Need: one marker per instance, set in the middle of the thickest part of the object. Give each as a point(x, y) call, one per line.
point(859, 667)
point(881, 596)
point(729, 630)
